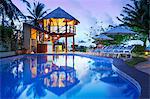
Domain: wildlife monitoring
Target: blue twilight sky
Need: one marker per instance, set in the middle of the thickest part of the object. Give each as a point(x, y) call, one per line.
point(86, 11)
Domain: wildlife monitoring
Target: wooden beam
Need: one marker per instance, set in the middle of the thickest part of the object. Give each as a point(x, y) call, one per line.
point(57, 26)
point(66, 38)
point(50, 26)
point(73, 39)
point(66, 43)
point(53, 47)
point(73, 44)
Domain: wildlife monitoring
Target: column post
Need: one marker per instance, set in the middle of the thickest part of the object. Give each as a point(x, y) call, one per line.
point(73, 47)
point(50, 26)
point(53, 47)
point(66, 38)
point(73, 44)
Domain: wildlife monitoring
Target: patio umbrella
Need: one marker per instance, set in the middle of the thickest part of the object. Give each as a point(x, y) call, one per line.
point(134, 42)
point(82, 41)
point(103, 37)
point(119, 31)
point(87, 44)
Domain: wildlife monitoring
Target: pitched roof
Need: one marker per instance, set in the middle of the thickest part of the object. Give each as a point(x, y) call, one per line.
point(59, 13)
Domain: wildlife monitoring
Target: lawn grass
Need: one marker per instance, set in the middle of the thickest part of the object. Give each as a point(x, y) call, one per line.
point(135, 60)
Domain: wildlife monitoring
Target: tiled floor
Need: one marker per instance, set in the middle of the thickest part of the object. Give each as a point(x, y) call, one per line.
point(144, 66)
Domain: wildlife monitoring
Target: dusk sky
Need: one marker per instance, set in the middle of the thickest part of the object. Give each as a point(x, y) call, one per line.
point(86, 11)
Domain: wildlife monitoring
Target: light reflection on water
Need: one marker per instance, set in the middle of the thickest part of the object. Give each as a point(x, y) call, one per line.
point(62, 76)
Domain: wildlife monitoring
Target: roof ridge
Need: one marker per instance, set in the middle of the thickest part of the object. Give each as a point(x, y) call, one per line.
point(59, 13)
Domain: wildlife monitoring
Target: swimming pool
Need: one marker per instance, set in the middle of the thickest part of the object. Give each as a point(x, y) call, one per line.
point(63, 77)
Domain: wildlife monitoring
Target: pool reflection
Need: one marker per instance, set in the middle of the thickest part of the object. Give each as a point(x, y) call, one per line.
point(43, 69)
point(62, 76)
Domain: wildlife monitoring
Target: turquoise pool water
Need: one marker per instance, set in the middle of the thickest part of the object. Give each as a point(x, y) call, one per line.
point(62, 77)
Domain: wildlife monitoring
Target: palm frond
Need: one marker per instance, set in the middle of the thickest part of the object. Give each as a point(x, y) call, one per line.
point(136, 15)
point(25, 1)
point(42, 14)
point(30, 17)
point(130, 6)
point(37, 11)
point(32, 13)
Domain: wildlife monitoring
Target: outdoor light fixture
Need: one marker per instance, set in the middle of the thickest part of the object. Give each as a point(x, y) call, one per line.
point(58, 36)
point(46, 36)
point(46, 70)
point(55, 38)
point(146, 53)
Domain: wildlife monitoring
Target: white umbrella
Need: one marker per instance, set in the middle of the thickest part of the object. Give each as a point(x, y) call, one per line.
point(81, 41)
point(134, 42)
point(103, 37)
point(119, 31)
point(87, 44)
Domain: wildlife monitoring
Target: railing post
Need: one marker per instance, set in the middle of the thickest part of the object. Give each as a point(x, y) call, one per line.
point(66, 37)
point(57, 26)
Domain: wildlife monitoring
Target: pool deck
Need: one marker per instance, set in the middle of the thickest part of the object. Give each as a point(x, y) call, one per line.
point(144, 66)
point(141, 77)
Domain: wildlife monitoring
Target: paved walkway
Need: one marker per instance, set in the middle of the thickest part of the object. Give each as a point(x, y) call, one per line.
point(141, 77)
point(144, 66)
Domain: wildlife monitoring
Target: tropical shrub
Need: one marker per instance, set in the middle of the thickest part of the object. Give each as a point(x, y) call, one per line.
point(138, 49)
point(6, 37)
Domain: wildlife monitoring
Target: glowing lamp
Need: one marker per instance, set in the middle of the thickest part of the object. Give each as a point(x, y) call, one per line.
point(146, 53)
point(46, 70)
point(58, 36)
point(55, 38)
point(46, 36)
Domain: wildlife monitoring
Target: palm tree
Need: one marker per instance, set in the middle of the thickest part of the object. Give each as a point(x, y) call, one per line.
point(9, 10)
point(37, 12)
point(9, 13)
point(137, 17)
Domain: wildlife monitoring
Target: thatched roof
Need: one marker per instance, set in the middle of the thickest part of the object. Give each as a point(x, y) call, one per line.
point(59, 13)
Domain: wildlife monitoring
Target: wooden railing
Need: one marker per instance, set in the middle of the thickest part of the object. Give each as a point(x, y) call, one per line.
point(62, 29)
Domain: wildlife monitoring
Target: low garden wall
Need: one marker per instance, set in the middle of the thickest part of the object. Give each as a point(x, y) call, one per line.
point(6, 54)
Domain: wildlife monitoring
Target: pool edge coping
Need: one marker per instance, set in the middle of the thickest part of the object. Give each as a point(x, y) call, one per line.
point(130, 79)
point(126, 76)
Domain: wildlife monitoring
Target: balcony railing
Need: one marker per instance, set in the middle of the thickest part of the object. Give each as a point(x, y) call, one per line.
point(62, 29)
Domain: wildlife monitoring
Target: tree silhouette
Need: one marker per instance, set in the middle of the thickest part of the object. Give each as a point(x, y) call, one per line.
point(9, 10)
point(137, 17)
point(37, 12)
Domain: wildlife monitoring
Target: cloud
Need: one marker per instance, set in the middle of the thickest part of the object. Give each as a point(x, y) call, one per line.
point(109, 19)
